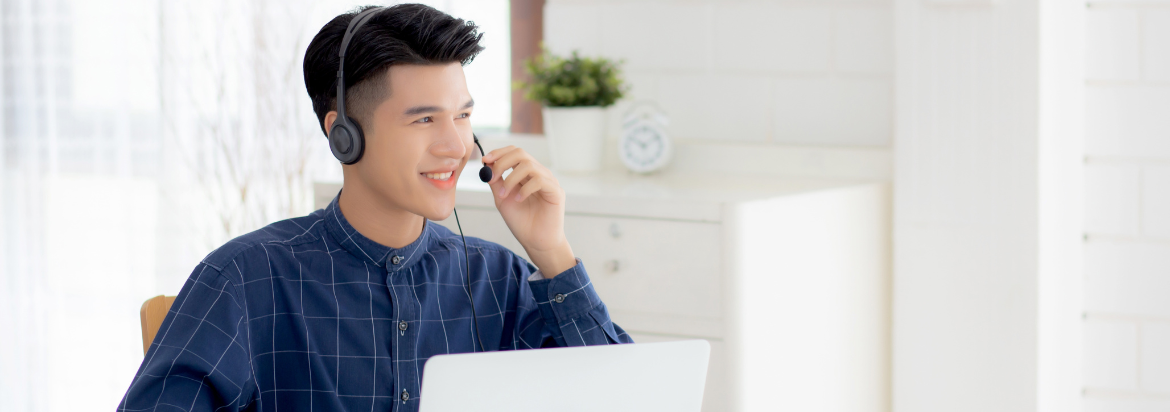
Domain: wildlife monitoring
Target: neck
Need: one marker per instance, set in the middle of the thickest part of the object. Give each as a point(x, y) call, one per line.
point(377, 219)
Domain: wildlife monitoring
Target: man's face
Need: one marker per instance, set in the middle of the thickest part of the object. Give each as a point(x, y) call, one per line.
point(418, 140)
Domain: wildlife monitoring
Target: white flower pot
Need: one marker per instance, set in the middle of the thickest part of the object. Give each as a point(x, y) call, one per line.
point(575, 136)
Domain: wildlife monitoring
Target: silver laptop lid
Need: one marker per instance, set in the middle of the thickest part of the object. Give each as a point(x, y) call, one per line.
point(666, 376)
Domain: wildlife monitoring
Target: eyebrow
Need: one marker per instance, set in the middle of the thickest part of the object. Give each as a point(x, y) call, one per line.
point(431, 109)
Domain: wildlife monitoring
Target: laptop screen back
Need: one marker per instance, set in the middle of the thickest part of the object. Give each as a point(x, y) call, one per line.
point(666, 376)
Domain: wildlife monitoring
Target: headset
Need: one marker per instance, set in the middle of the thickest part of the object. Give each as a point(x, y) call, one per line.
point(348, 143)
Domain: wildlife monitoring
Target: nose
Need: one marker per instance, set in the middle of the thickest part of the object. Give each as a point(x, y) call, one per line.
point(449, 143)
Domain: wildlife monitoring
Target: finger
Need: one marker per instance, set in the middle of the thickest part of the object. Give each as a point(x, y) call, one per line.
point(507, 161)
point(502, 194)
point(533, 185)
point(497, 184)
point(524, 182)
point(494, 154)
point(519, 173)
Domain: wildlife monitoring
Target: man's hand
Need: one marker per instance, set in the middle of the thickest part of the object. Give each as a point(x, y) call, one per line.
point(533, 206)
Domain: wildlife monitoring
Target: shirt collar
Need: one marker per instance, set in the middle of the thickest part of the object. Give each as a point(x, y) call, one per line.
point(368, 250)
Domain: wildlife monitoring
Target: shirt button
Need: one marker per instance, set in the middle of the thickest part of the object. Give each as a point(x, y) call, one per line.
point(560, 297)
point(402, 325)
point(405, 395)
point(396, 260)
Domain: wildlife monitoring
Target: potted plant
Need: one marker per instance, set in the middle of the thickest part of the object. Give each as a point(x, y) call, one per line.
point(573, 93)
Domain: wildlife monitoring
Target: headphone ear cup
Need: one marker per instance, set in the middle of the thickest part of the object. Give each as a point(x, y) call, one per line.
point(359, 140)
point(346, 141)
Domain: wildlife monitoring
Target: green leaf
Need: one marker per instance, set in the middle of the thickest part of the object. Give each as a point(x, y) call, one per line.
point(555, 81)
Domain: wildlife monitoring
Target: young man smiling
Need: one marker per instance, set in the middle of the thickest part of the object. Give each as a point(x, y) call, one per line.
point(338, 310)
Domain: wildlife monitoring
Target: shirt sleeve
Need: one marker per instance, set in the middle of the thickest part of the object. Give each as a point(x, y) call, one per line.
point(198, 360)
point(567, 310)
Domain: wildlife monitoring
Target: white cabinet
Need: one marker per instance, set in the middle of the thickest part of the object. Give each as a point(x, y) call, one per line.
point(788, 279)
point(655, 268)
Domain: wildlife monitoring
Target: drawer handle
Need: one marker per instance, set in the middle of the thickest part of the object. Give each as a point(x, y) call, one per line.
point(612, 265)
point(615, 230)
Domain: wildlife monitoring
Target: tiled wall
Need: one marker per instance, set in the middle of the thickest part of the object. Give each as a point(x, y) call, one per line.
point(1127, 244)
point(791, 73)
point(760, 75)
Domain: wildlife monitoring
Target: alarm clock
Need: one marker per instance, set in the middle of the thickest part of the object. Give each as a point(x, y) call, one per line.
point(644, 146)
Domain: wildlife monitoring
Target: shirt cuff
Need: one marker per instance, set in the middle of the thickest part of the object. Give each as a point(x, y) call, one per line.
point(538, 274)
point(568, 295)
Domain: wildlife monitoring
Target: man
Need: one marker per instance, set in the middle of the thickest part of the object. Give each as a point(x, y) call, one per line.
point(339, 310)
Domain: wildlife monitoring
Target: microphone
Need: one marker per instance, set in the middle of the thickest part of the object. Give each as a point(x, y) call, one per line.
point(485, 172)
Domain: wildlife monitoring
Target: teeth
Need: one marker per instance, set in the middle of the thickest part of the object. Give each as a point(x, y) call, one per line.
point(438, 176)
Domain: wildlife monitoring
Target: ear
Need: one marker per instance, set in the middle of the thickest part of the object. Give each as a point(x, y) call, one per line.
point(329, 119)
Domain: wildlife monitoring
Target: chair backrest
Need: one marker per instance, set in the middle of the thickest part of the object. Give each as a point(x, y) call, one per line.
point(154, 310)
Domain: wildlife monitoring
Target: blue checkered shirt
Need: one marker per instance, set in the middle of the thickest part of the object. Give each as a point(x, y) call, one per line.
point(308, 314)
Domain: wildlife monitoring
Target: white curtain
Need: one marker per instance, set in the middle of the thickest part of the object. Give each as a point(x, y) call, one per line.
point(71, 156)
point(137, 136)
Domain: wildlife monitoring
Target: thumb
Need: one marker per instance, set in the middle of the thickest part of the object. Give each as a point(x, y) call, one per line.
point(497, 183)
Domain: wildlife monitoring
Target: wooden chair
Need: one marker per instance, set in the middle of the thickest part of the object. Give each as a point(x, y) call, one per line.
point(154, 310)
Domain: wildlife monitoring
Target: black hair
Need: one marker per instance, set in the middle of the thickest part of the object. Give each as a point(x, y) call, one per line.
point(400, 34)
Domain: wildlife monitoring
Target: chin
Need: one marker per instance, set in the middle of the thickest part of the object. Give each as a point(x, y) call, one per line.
point(437, 215)
point(440, 210)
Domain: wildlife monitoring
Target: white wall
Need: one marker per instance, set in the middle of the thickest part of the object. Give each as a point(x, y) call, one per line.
point(825, 91)
point(794, 87)
point(987, 196)
point(1127, 206)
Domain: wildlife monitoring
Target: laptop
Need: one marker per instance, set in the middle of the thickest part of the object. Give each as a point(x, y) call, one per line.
point(667, 376)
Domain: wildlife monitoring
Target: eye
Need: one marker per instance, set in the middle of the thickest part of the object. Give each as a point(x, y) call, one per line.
point(424, 120)
point(464, 115)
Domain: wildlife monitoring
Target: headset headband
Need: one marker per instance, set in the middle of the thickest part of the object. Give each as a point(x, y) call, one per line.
point(354, 25)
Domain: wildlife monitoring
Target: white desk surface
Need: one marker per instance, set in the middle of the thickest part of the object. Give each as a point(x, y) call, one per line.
point(671, 196)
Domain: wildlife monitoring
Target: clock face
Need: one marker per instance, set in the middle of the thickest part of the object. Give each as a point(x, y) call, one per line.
point(644, 147)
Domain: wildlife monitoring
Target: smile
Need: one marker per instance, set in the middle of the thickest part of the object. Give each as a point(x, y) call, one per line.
point(438, 176)
point(442, 181)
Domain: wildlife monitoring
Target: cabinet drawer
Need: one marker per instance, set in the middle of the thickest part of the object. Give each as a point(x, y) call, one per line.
point(654, 275)
point(651, 267)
